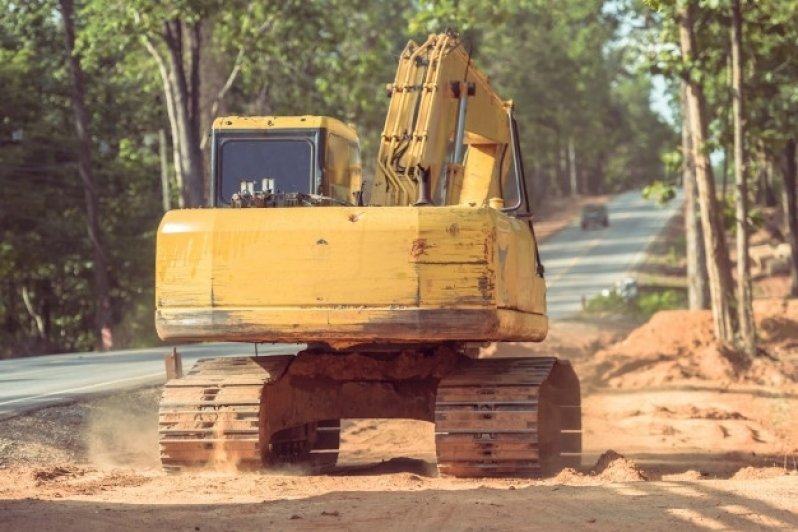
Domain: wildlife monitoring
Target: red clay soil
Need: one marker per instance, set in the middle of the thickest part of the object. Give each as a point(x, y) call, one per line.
point(679, 346)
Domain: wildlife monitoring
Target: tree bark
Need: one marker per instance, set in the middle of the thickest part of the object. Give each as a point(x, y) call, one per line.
point(718, 264)
point(744, 297)
point(171, 113)
point(36, 317)
point(791, 211)
point(103, 322)
point(697, 283)
point(186, 99)
point(182, 93)
point(165, 195)
point(572, 167)
point(764, 193)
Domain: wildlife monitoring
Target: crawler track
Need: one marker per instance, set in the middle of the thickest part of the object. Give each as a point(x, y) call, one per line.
point(212, 415)
point(507, 417)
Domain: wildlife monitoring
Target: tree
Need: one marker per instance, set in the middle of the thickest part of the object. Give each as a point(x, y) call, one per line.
point(744, 297)
point(697, 282)
point(772, 106)
point(560, 63)
point(100, 261)
point(791, 210)
point(585, 116)
point(180, 34)
point(718, 266)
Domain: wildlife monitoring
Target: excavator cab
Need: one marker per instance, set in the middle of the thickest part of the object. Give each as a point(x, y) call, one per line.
point(284, 161)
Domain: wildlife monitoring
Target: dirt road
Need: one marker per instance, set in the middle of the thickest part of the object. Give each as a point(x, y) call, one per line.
point(703, 447)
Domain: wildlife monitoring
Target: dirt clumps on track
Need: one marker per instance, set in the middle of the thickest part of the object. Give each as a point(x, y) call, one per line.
point(699, 443)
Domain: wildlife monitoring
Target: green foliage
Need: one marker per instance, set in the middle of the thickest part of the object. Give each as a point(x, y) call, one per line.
point(650, 301)
point(611, 303)
point(660, 192)
point(46, 300)
point(564, 64)
point(756, 219)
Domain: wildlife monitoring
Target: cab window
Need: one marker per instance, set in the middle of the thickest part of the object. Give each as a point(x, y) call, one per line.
point(288, 161)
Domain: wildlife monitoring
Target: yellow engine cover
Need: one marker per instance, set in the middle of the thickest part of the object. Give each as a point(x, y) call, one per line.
point(347, 275)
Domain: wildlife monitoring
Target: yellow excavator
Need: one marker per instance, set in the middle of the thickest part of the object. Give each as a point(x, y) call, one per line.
point(392, 284)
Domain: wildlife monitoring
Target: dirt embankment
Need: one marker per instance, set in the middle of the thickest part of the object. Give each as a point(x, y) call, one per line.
point(679, 347)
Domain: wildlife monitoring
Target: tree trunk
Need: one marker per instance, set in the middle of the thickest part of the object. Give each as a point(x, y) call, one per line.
point(697, 283)
point(35, 316)
point(764, 193)
point(103, 329)
point(791, 212)
point(186, 98)
point(171, 113)
point(572, 167)
point(718, 265)
point(744, 297)
point(165, 195)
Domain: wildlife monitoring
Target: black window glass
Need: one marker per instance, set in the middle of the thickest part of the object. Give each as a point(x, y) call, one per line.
point(288, 162)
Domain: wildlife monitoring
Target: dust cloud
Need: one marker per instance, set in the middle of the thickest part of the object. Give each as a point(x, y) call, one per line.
point(122, 430)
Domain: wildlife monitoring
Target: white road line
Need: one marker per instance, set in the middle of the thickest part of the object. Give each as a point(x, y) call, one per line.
point(571, 263)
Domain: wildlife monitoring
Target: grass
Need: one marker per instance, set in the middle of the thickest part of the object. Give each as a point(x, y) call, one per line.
point(661, 279)
point(650, 300)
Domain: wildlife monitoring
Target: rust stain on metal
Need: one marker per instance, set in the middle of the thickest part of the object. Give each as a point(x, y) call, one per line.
point(419, 247)
point(487, 286)
point(488, 244)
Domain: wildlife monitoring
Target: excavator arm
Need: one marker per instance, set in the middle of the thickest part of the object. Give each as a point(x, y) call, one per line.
point(448, 138)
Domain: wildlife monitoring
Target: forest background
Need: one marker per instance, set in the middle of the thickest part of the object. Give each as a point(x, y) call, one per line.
point(106, 105)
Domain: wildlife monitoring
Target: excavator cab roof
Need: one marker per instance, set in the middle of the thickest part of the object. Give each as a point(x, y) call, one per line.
point(285, 122)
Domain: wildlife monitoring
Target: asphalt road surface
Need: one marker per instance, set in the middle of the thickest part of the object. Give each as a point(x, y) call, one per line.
point(578, 263)
point(32, 382)
point(581, 263)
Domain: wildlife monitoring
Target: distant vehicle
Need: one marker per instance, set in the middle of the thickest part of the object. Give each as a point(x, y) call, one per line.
point(626, 288)
point(594, 214)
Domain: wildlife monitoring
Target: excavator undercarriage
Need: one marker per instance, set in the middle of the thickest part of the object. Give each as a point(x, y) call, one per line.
point(493, 417)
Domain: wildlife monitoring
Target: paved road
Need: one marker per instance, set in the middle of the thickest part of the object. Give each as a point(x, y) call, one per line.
point(582, 263)
point(33, 382)
point(577, 263)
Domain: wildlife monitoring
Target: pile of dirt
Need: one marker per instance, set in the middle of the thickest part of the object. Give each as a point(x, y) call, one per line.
point(754, 473)
point(609, 468)
point(613, 467)
point(679, 345)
